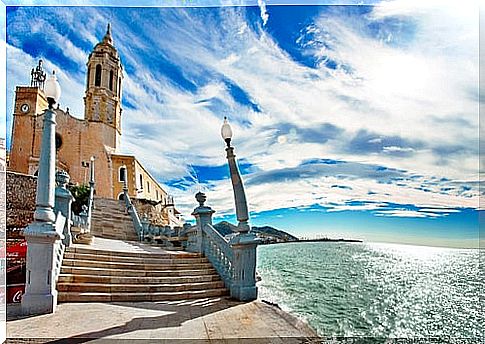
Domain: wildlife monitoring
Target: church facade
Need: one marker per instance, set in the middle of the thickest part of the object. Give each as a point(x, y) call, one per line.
point(77, 140)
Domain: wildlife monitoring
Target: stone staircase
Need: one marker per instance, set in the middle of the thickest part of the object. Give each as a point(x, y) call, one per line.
point(93, 275)
point(110, 220)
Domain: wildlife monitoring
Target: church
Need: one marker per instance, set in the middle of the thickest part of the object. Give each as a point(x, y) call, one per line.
point(78, 140)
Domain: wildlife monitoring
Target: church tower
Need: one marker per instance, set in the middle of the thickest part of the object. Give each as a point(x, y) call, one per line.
point(102, 101)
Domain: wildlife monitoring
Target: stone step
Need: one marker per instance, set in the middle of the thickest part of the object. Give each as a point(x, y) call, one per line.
point(101, 207)
point(111, 217)
point(78, 270)
point(139, 297)
point(69, 278)
point(179, 254)
point(137, 288)
point(170, 259)
point(118, 236)
point(133, 266)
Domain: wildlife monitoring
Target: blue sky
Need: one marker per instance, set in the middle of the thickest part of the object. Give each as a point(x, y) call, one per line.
point(349, 121)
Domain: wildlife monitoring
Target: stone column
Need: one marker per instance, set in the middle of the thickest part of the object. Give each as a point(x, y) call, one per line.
point(203, 216)
point(239, 194)
point(40, 293)
point(243, 286)
point(63, 203)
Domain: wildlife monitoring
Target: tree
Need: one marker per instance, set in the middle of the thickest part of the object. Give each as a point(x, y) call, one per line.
point(81, 197)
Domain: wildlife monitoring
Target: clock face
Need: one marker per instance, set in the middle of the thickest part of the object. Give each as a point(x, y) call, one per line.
point(25, 108)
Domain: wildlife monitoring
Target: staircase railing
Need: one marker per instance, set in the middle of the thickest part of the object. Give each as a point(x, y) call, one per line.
point(219, 252)
point(130, 208)
point(233, 257)
point(59, 246)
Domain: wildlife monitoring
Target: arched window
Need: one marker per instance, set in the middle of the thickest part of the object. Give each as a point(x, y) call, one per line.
point(111, 80)
point(122, 174)
point(97, 78)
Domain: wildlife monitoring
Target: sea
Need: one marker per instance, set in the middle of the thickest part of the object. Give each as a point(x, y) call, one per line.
point(375, 289)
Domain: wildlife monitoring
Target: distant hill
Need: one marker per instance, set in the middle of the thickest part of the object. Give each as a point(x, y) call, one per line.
point(266, 232)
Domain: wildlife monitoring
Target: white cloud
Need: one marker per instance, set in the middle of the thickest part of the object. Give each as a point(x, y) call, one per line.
point(264, 12)
point(420, 89)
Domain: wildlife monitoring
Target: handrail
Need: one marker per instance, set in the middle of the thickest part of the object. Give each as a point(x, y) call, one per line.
point(59, 247)
point(219, 252)
point(130, 208)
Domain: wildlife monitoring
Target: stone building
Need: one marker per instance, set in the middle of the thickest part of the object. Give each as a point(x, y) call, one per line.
point(77, 140)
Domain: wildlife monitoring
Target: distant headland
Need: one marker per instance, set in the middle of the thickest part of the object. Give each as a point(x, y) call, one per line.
point(271, 235)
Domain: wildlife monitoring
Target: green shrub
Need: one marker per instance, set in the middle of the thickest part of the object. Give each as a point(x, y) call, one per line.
point(81, 197)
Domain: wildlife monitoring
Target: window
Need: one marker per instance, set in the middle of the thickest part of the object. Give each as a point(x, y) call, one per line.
point(111, 80)
point(89, 76)
point(141, 181)
point(97, 78)
point(119, 88)
point(58, 141)
point(122, 174)
point(157, 195)
point(148, 187)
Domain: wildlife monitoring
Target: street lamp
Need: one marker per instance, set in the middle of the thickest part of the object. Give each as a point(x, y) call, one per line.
point(42, 236)
point(125, 178)
point(52, 90)
point(46, 179)
point(237, 185)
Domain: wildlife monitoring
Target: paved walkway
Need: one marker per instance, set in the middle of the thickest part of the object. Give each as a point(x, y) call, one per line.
point(126, 246)
point(205, 319)
point(212, 320)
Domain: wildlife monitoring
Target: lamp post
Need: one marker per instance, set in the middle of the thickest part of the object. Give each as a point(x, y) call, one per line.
point(125, 178)
point(42, 236)
point(45, 198)
point(237, 185)
point(91, 191)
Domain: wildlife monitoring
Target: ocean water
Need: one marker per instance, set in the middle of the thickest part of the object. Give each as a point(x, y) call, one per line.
point(376, 290)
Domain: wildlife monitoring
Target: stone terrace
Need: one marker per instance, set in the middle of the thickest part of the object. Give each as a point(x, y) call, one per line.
point(206, 319)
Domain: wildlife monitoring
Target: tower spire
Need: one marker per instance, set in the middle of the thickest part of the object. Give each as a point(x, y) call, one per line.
point(107, 37)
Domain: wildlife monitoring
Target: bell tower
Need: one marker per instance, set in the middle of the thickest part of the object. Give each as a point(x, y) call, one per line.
point(102, 100)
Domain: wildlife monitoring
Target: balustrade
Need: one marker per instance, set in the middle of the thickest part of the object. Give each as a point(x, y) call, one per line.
point(233, 257)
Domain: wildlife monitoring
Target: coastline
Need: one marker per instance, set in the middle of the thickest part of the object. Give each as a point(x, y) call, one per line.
point(315, 240)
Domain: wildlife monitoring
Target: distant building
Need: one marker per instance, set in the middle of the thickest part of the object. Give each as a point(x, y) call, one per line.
point(77, 140)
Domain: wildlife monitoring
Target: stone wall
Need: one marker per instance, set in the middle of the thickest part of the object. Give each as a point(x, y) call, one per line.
point(20, 197)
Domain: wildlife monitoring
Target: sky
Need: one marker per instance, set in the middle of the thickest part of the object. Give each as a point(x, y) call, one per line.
point(349, 121)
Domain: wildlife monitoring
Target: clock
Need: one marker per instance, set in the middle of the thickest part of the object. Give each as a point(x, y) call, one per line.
point(25, 108)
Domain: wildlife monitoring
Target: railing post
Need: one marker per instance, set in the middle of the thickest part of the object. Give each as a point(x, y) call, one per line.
point(203, 216)
point(91, 193)
point(145, 227)
point(243, 285)
point(63, 203)
point(40, 293)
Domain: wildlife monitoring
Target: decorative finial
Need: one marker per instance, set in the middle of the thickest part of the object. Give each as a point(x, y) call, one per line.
point(107, 37)
point(201, 198)
point(62, 178)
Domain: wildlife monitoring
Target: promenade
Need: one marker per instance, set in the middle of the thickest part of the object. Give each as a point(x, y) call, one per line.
point(207, 320)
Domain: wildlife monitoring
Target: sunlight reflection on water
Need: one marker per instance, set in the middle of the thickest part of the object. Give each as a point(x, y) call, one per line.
point(374, 289)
